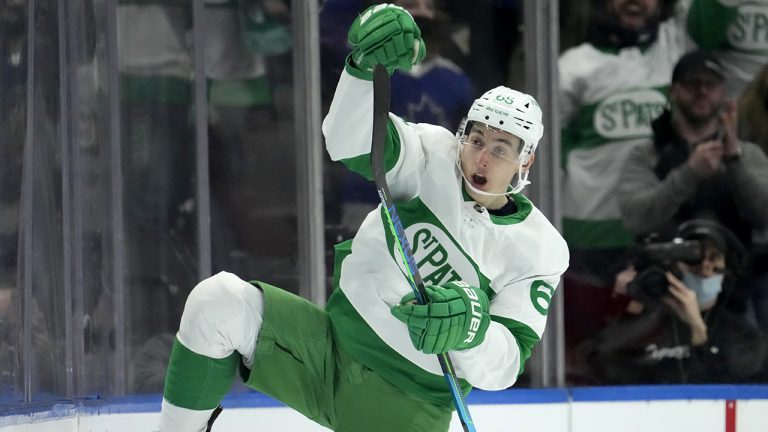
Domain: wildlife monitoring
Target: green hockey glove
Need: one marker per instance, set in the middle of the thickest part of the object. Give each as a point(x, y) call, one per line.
point(456, 318)
point(388, 35)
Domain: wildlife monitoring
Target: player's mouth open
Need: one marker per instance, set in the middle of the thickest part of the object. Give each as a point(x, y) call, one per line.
point(479, 179)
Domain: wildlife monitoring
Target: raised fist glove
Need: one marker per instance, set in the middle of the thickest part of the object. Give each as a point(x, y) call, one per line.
point(386, 34)
point(456, 318)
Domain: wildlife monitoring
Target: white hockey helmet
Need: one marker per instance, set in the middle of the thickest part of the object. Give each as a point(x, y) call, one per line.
point(511, 111)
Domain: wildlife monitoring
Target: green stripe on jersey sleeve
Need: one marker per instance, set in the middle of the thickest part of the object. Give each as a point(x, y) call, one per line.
point(362, 164)
point(525, 336)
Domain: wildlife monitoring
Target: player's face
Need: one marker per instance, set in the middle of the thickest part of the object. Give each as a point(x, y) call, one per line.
point(489, 160)
point(698, 97)
point(634, 14)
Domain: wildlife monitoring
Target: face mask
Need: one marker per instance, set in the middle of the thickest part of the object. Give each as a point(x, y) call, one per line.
point(706, 288)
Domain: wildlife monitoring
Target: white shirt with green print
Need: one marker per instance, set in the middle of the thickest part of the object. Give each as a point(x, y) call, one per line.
point(517, 259)
point(608, 100)
point(737, 32)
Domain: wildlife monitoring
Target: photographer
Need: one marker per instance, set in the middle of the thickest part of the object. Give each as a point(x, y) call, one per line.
point(675, 328)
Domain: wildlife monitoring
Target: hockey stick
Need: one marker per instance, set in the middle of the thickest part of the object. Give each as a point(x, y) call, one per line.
point(381, 96)
point(214, 416)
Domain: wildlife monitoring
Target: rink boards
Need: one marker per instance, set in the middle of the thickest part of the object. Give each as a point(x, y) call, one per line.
point(625, 409)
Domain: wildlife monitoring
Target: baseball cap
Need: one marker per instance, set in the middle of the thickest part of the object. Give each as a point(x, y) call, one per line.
point(694, 61)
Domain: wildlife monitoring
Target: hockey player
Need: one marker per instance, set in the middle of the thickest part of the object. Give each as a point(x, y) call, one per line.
point(491, 261)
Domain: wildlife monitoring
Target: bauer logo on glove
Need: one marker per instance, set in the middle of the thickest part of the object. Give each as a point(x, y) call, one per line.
point(455, 318)
point(386, 34)
point(477, 313)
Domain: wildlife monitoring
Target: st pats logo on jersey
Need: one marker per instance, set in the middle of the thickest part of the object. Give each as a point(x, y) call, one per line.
point(629, 114)
point(541, 296)
point(438, 257)
point(749, 32)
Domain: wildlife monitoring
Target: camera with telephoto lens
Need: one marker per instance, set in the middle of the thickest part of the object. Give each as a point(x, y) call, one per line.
point(654, 260)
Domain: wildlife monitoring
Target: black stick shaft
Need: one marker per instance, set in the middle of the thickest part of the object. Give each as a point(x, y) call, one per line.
point(381, 98)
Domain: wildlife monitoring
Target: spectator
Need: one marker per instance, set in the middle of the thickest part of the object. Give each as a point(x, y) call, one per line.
point(611, 87)
point(736, 31)
point(696, 166)
point(678, 330)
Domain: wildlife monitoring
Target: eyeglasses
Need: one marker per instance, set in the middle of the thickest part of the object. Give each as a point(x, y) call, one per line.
point(500, 151)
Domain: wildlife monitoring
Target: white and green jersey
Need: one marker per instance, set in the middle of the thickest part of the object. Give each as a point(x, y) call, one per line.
point(516, 260)
point(737, 31)
point(608, 100)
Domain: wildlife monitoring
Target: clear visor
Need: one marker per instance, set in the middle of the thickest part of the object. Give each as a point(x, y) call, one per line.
point(475, 134)
point(472, 138)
